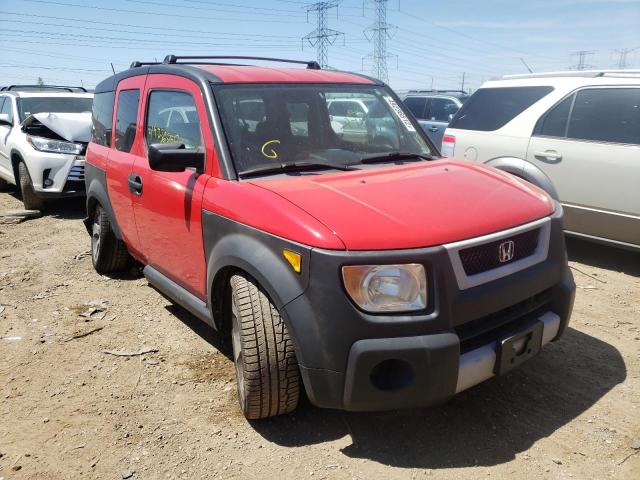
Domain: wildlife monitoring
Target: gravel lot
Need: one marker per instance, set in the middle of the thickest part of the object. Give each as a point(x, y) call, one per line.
point(68, 410)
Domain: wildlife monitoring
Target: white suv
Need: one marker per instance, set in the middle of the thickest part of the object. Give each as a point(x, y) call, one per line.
point(44, 131)
point(574, 134)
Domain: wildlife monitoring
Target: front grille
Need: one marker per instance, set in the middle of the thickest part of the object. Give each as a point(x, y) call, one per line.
point(76, 173)
point(489, 328)
point(481, 258)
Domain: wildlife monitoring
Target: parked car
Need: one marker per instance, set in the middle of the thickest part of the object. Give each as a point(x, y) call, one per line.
point(365, 271)
point(434, 109)
point(44, 131)
point(574, 134)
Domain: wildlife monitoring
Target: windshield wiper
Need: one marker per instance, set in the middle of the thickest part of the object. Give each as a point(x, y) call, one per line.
point(394, 156)
point(292, 167)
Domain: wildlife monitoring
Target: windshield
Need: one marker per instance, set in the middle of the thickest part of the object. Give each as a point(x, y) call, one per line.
point(338, 125)
point(29, 106)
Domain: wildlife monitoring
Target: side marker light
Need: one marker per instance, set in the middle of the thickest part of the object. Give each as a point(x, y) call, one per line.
point(294, 259)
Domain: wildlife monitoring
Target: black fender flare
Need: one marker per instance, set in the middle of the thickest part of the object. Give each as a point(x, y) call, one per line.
point(523, 169)
point(96, 186)
point(231, 246)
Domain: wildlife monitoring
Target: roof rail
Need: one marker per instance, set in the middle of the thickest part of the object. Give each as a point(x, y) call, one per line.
point(18, 88)
point(136, 64)
point(174, 59)
point(438, 91)
point(576, 73)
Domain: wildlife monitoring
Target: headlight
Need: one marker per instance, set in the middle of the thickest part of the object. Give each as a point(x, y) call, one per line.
point(55, 146)
point(387, 288)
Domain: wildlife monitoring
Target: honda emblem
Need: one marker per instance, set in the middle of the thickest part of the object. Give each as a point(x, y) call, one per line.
point(506, 250)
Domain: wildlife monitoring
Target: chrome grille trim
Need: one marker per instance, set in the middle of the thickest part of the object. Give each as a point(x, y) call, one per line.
point(540, 254)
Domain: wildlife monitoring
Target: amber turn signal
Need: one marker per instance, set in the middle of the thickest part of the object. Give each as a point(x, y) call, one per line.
point(294, 259)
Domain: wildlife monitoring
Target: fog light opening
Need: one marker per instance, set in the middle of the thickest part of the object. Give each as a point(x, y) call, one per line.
point(392, 374)
point(46, 181)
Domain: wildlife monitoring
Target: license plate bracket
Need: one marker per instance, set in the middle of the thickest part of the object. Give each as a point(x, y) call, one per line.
point(517, 348)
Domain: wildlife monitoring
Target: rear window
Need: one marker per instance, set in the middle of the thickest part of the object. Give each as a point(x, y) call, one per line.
point(102, 116)
point(127, 119)
point(492, 108)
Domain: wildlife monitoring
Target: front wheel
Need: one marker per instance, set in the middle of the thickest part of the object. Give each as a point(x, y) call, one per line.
point(29, 198)
point(4, 185)
point(108, 254)
point(266, 365)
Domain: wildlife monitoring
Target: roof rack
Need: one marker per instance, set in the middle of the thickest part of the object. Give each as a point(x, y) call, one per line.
point(22, 88)
point(174, 59)
point(577, 73)
point(438, 91)
point(136, 64)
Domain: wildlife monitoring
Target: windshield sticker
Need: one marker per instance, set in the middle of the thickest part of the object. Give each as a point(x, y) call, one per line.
point(400, 114)
point(271, 153)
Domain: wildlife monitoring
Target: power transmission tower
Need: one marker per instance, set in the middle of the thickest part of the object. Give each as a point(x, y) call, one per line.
point(582, 55)
point(378, 33)
point(322, 36)
point(623, 52)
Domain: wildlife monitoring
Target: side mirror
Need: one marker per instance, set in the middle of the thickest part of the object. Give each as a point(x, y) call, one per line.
point(4, 119)
point(450, 116)
point(173, 157)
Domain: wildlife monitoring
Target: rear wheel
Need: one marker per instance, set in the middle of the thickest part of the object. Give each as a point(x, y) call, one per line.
point(107, 252)
point(29, 198)
point(266, 366)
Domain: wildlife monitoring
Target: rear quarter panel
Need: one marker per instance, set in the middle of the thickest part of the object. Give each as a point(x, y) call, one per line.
point(472, 145)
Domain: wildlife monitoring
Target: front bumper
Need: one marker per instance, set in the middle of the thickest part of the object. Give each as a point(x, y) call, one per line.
point(353, 360)
point(65, 172)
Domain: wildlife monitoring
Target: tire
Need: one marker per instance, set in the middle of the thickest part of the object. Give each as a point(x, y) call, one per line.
point(266, 366)
point(29, 198)
point(108, 254)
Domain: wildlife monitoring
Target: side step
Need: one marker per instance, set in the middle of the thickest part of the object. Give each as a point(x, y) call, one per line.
point(175, 292)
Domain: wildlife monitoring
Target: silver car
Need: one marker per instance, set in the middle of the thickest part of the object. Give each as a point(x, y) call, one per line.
point(574, 134)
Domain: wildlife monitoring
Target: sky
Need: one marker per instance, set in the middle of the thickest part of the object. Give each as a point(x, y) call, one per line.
point(430, 43)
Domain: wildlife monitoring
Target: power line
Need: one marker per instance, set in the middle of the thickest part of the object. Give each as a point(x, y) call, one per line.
point(378, 33)
point(163, 28)
point(582, 55)
point(160, 14)
point(322, 36)
point(209, 9)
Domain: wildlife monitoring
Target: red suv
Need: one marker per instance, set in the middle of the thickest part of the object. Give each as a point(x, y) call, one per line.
point(305, 214)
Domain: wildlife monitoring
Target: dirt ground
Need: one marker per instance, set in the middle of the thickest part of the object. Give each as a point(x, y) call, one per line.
point(68, 410)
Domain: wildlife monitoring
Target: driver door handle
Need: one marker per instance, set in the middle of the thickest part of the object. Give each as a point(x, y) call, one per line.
point(549, 155)
point(135, 184)
point(433, 129)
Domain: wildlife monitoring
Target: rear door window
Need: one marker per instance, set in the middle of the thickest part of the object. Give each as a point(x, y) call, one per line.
point(417, 106)
point(554, 122)
point(440, 109)
point(489, 109)
point(606, 115)
point(127, 119)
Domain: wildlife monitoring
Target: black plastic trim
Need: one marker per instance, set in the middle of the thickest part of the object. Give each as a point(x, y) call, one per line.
point(176, 293)
point(96, 190)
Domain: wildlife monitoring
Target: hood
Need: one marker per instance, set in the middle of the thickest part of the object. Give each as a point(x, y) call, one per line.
point(73, 127)
point(417, 205)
